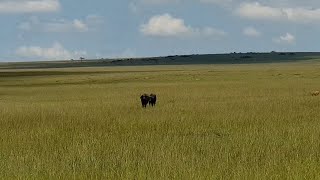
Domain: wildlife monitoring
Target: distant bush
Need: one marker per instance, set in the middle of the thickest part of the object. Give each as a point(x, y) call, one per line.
point(116, 61)
point(185, 56)
point(246, 57)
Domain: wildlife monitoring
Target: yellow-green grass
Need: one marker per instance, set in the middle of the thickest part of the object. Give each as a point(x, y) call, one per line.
point(211, 122)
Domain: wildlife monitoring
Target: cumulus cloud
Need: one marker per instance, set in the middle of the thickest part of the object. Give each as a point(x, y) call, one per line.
point(167, 26)
point(285, 39)
point(29, 6)
point(56, 52)
point(258, 11)
point(251, 32)
point(60, 26)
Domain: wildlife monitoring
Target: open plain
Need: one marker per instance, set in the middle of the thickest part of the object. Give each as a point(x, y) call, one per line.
point(254, 121)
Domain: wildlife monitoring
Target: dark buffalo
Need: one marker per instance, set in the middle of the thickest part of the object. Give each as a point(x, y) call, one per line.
point(152, 99)
point(144, 100)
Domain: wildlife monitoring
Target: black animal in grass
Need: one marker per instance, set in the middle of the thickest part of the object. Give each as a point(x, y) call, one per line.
point(152, 99)
point(144, 100)
point(148, 99)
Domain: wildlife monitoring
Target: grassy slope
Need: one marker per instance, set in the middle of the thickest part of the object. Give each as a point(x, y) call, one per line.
point(235, 121)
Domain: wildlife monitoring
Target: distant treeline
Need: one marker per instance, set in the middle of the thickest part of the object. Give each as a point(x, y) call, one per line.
point(230, 58)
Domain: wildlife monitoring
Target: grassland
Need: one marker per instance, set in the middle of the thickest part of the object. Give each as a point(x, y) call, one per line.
point(211, 122)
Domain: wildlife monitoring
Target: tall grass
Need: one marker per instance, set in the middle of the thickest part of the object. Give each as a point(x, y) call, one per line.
point(211, 122)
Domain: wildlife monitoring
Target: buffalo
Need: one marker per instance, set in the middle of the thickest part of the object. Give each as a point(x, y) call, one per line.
point(152, 99)
point(148, 99)
point(144, 100)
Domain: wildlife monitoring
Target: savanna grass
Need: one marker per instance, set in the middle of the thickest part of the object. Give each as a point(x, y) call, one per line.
point(211, 122)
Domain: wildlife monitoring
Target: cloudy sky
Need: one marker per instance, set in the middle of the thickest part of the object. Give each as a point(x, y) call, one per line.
point(65, 29)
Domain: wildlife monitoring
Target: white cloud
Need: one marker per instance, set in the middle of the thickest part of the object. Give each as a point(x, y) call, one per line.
point(56, 52)
point(29, 6)
point(167, 26)
point(60, 26)
point(251, 32)
point(285, 39)
point(80, 25)
point(257, 11)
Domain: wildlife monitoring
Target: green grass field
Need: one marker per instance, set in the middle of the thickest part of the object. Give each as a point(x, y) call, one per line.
point(211, 122)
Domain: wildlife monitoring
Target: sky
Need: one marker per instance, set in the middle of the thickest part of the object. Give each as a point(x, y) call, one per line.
point(37, 30)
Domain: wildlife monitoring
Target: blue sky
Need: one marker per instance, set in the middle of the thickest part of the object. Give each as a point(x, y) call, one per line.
point(68, 29)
